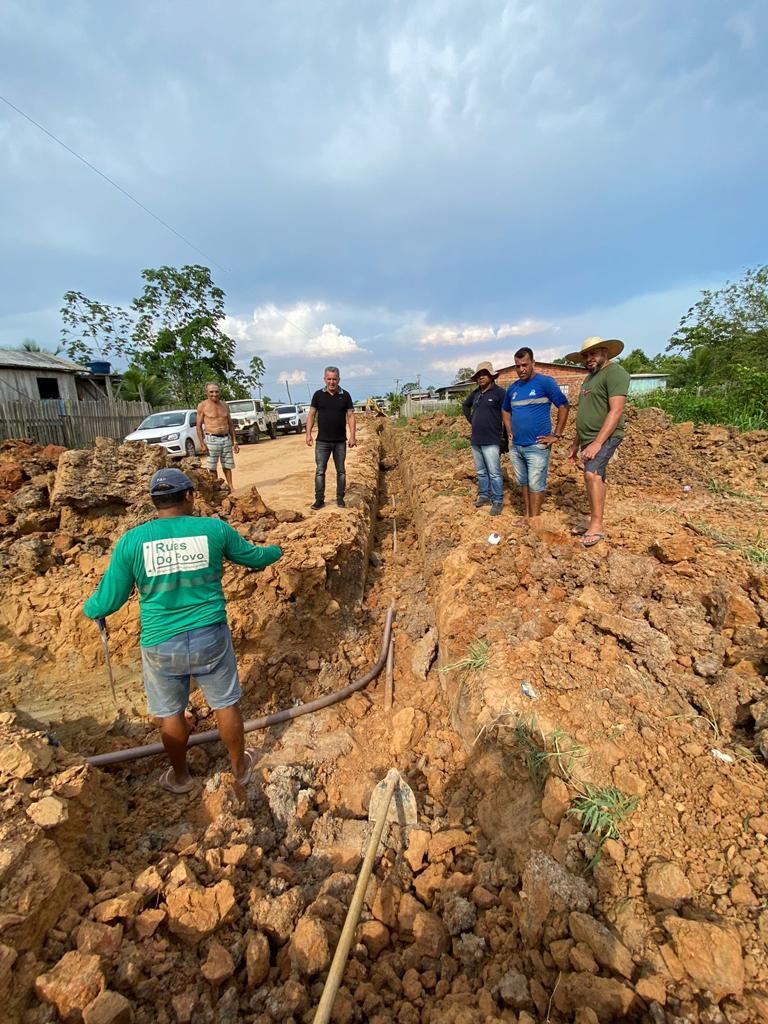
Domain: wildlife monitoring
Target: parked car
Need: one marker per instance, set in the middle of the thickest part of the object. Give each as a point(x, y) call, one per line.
point(291, 417)
point(251, 420)
point(174, 430)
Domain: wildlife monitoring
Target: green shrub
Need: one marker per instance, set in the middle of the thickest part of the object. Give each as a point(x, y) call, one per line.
point(742, 403)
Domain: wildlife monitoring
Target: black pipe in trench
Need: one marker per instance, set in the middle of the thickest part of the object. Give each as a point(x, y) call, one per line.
point(151, 749)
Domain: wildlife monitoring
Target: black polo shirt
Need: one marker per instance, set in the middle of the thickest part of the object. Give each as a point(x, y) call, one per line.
point(332, 414)
point(483, 410)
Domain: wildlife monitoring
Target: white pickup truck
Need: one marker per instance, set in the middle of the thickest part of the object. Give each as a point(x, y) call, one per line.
point(251, 420)
point(291, 417)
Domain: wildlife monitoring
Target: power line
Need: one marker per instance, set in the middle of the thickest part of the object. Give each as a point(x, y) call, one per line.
point(114, 184)
point(133, 199)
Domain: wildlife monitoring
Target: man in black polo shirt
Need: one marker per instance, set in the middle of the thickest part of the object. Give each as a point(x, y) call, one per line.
point(483, 410)
point(334, 409)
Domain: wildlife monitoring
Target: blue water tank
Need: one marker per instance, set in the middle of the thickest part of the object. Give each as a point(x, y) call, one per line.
point(98, 367)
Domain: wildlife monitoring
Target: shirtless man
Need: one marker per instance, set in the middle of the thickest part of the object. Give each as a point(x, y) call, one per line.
point(216, 433)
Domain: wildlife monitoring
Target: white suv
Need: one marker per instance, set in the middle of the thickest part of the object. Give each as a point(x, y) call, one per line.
point(291, 417)
point(174, 430)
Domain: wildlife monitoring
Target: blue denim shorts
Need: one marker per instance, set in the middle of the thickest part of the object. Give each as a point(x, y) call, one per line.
point(205, 653)
point(530, 463)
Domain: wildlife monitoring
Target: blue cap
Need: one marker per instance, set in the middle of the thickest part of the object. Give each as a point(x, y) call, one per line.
point(169, 481)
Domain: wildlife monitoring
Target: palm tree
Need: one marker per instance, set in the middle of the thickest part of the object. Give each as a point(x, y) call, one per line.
point(30, 345)
point(137, 385)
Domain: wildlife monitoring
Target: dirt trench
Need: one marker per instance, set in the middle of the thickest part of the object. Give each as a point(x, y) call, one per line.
point(227, 906)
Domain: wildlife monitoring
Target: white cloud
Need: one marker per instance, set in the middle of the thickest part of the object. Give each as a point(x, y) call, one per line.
point(292, 376)
point(359, 370)
point(465, 335)
point(298, 330)
point(499, 359)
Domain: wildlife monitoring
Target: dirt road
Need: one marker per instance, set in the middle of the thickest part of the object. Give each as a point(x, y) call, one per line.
point(284, 471)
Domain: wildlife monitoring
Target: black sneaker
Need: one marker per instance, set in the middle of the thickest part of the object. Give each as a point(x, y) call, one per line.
point(482, 501)
point(341, 503)
point(317, 504)
point(496, 510)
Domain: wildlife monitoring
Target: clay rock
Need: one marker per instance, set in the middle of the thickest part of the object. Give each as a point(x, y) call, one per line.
point(709, 954)
point(25, 757)
point(108, 1008)
point(48, 812)
point(424, 654)
point(218, 965)
point(556, 800)
point(606, 948)
point(459, 915)
point(418, 844)
point(442, 842)
point(548, 888)
point(407, 912)
point(607, 998)
point(71, 984)
point(677, 548)
point(374, 936)
point(195, 912)
point(148, 921)
point(125, 906)
point(408, 727)
point(277, 916)
point(251, 506)
point(430, 934)
point(309, 950)
point(184, 1006)
point(282, 789)
point(34, 874)
point(110, 474)
point(257, 959)
point(102, 939)
point(385, 904)
point(729, 608)
point(666, 887)
point(221, 796)
point(514, 990)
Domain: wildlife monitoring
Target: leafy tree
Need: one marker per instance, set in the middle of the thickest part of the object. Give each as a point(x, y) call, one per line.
point(406, 389)
point(636, 361)
point(726, 327)
point(170, 332)
point(395, 402)
point(30, 345)
point(465, 373)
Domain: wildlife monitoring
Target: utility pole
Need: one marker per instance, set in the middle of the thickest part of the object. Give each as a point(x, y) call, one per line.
point(288, 389)
point(418, 382)
point(397, 385)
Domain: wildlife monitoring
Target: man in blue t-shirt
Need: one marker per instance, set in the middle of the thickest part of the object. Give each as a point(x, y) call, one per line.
point(526, 414)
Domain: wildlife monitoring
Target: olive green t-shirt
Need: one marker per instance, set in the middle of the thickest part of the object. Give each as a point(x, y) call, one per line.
point(609, 381)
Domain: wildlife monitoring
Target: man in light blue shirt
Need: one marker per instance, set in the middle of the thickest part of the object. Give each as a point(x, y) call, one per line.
point(527, 418)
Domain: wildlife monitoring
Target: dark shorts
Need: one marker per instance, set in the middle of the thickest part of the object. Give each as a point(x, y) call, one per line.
point(603, 457)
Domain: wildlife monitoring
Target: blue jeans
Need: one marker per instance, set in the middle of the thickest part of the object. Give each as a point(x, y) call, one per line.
point(490, 482)
point(205, 653)
point(531, 464)
point(323, 452)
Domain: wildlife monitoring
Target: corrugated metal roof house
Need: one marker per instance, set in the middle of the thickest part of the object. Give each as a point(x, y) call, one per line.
point(36, 375)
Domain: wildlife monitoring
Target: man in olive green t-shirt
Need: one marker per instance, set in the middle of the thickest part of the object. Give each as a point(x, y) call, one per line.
point(176, 564)
point(599, 425)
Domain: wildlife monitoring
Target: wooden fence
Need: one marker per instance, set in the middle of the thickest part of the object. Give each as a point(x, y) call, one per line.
point(69, 423)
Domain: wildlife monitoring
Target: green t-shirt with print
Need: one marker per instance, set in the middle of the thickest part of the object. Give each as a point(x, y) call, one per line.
point(609, 382)
point(176, 564)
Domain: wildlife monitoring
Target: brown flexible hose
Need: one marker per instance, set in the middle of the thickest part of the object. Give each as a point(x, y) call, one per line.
point(151, 749)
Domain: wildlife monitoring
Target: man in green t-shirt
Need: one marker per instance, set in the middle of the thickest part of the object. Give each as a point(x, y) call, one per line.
point(599, 425)
point(176, 564)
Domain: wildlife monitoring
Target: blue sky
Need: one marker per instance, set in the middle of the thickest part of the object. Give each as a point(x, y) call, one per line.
point(416, 185)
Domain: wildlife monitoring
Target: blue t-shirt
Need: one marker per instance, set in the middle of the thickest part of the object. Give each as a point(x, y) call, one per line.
point(529, 404)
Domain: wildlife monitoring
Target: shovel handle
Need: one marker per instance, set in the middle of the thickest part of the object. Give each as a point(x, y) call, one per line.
point(102, 624)
point(335, 974)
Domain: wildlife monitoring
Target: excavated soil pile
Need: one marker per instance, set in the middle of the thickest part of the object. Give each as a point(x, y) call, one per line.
point(530, 676)
point(65, 511)
point(628, 683)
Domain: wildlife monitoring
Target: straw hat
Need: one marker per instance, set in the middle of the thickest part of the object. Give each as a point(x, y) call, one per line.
point(613, 345)
point(484, 368)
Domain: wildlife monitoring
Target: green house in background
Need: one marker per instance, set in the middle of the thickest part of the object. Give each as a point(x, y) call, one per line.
point(640, 383)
